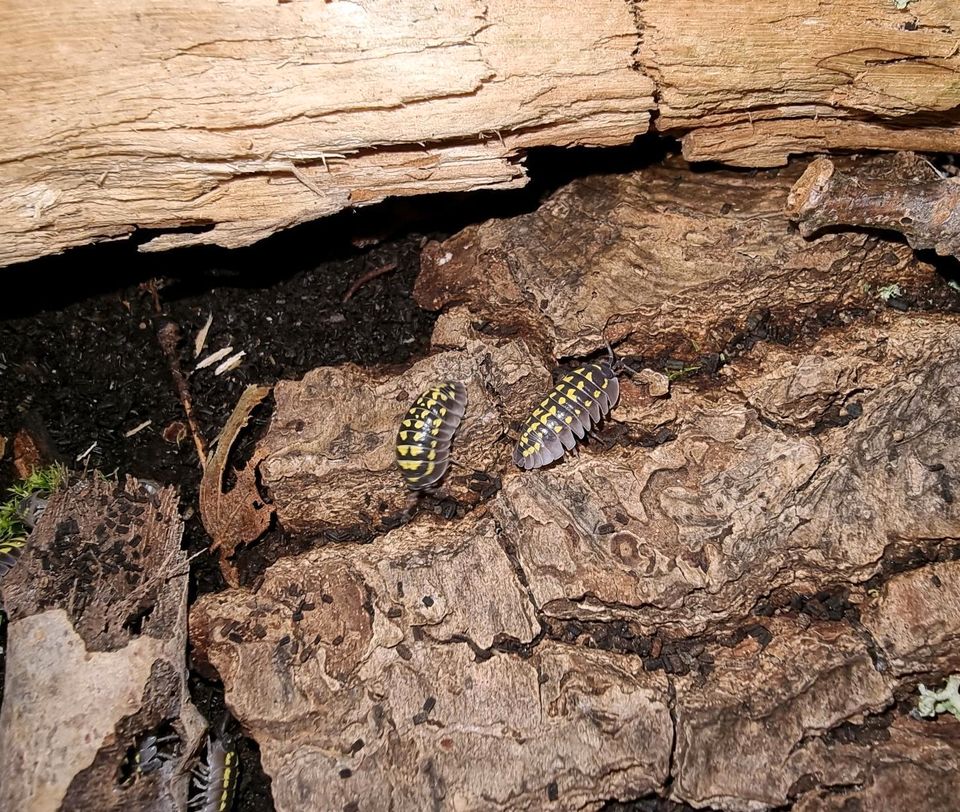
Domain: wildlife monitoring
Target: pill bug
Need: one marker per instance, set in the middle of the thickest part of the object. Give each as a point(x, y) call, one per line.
point(216, 779)
point(566, 414)
point(10, 551)
point(423, 441)
point(148, 756)
point(149, 753)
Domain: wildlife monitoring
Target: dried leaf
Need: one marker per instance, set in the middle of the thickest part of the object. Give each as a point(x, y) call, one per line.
point(239, 515)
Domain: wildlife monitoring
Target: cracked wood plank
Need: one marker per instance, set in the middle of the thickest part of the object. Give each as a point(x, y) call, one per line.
point(752, 85)
point(217, 122)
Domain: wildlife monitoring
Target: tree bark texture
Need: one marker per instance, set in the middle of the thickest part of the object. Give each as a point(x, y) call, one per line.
point(727, 598)
point(97, 655)
point(224, 122)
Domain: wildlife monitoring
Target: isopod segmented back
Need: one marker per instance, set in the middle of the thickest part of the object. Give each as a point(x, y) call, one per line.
point(423, 441)
point(566, 414)
point(216, 778)
point(10, 551)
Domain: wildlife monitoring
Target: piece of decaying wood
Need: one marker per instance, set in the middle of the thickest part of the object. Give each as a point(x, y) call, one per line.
point(759, 732)
point(751, 83)
point(96, 654)
point(801, 466)
point(335, 432)
point(895, 194)
point(238, 515)
point(667, 260)
point(808, 468)
point(237, 121)
point(393, 709)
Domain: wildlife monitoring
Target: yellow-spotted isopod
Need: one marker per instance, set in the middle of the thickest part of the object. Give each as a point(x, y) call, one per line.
point(423, 441)
point(566, 414)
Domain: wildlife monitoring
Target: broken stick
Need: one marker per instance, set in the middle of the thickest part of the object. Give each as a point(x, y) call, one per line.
point(926, 212)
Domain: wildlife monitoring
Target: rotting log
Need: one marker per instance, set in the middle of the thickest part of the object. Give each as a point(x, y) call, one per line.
point(217, 122)
point(727, 600)
point(96, 656)
point(451, 661)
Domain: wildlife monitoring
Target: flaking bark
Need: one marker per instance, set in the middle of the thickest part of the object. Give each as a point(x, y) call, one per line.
point(706, 603)
point(97, 654)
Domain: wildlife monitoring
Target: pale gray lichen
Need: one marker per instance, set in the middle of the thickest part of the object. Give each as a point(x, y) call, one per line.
point(946, 700)
point(887, 292)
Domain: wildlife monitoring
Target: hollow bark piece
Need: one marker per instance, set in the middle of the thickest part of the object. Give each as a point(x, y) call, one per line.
point(346, 668)
point(329, 455)
point(673, 261)
point(698, 530)
point(97, 653)
point(238, 121)
point(896, 194)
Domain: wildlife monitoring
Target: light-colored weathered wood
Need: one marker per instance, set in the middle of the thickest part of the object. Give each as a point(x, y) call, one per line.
point(250, 116)
point(97, 654)
point(238, 119)
point(751, 83)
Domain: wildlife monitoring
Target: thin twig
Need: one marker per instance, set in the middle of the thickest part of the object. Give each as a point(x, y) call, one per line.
point(169, 335)
point(369, 276)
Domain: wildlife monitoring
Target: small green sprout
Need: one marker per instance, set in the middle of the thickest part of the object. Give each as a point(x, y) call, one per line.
point(947, 700)
point(41, 482)
point(17, 514)
point(953, 283)
point(887, 292)
point(682, 372)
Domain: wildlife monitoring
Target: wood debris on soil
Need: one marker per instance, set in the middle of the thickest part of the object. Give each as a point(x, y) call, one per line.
point(709, 605)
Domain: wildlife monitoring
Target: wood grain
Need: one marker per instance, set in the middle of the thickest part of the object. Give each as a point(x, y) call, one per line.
point(224, 122)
